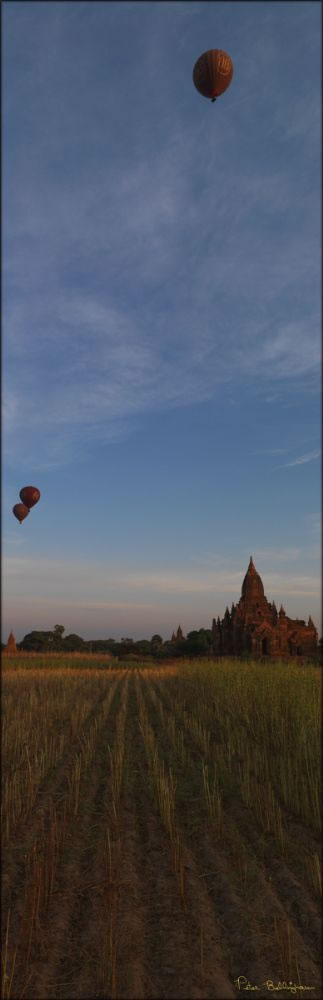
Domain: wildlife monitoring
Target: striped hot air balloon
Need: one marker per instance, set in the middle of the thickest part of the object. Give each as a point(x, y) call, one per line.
point(212, 73)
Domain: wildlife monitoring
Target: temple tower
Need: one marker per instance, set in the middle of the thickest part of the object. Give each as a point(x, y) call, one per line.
point(11, 644)
point(253, 605)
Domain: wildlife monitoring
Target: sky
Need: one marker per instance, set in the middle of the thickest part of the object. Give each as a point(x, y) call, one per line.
point(161, 348)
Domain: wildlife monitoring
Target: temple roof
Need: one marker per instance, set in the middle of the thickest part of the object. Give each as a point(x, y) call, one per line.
point(252, 586)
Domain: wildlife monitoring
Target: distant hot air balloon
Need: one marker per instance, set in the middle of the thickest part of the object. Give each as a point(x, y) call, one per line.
point(20, 511)
point(29, 496)
point(212, 73)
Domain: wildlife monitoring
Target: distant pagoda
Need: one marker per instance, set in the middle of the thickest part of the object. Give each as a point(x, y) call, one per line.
point(11, 644)
point(177, 636)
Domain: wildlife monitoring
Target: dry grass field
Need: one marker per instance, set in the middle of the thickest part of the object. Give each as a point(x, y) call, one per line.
point(160, 830)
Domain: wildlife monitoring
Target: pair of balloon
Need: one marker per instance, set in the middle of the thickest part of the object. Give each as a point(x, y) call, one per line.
point(29, 496)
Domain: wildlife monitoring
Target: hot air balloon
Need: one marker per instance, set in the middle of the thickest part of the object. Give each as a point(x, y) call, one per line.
point(20, 511)
point(212, 73)
point(29, 496)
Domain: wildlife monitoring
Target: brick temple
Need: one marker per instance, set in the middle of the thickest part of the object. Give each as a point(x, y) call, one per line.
point(11, 644)
point(255, 626)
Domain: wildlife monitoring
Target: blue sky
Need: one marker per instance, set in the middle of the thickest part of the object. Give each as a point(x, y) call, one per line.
point(161, 313)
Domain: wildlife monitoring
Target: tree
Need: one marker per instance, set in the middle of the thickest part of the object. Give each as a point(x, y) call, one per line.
point(143, 647)
point(197, 643)
point(37, 642)
point(168, 650)
point(73, 643)
point(58, 631)
point(58, 636)
point(156, 643)
point(103, 646)
point(127, 646)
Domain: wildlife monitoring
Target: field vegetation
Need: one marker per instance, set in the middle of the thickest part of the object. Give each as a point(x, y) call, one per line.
point(160, 828)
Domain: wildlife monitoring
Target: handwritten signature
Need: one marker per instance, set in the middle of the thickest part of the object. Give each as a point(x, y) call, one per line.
point(243, 984)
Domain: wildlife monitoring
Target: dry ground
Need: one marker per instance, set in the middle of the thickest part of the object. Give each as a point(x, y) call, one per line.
point(121, 879)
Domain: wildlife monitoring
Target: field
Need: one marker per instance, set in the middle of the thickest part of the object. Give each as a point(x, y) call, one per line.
point(160, 830)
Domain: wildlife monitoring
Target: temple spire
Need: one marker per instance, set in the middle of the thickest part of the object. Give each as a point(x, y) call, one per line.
point(11, 644)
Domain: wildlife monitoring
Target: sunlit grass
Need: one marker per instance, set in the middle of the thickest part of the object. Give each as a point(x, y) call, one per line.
point(266, 721)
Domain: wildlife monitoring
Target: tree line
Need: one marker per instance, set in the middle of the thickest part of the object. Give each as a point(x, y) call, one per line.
point(197, 643)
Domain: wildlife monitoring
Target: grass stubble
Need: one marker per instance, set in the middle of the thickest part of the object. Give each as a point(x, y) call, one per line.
point(177, 808)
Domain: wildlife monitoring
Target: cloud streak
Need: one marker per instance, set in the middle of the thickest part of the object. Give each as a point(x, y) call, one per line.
point(178, 264)
point(136, 602)
point(161, 310)
point(309, 457)
point(108, 369)
point(42, 573)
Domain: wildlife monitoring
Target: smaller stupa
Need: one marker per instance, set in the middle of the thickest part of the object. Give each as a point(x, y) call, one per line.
point(11, 644)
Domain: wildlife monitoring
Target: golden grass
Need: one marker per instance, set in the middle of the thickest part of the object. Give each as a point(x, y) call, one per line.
point(214, 736)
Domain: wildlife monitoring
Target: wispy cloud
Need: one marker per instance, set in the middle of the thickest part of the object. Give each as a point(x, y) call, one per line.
point(178, 272)
point(73, 577)
point(309, 457)
point(159, 253)
point(96, 599)
point(100, 365)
